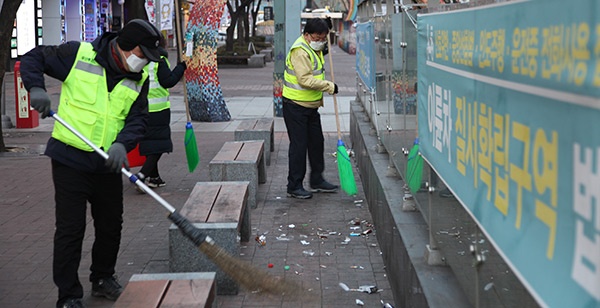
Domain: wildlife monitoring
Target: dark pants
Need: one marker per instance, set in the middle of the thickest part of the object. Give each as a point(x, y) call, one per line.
point(73, 189)
point(150, 168)
point(306, 136)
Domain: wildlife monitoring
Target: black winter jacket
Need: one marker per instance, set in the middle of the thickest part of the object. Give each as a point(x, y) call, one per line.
point(158, 136)
point(57, 61)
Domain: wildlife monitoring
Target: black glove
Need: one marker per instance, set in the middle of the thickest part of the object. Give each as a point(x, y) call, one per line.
point(335, 89)
point(117, 157)
point(40, 101)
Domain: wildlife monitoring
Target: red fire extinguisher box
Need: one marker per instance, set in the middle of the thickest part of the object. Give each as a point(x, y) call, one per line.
point(26, 116)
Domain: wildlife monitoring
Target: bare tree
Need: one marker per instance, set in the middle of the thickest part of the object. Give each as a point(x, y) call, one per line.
point(236, 14)
point(8, 14)
point(254, 13)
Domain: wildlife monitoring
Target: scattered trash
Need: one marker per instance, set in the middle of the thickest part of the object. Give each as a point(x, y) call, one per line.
point(277, 198)
point(358, 201)
point(328, 253)
point(355, 228)
point(365, 289)
point(488, 286)
point(305, 243)
point(323, 266)
point(287, 267)
point(357, 267)
point(367, 231)
point(261, 240)
point(284, 237)
point(346, 241)
point(308, 253)
point(270, 265)
point(292, 226)
point(386, 305)
point(359, 302)
point(354, 234)
point(355, 221)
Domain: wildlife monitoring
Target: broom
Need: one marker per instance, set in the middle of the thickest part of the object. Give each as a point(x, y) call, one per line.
point(414, 168)
point(244, 273)
point(191, 148)
point(347, 181)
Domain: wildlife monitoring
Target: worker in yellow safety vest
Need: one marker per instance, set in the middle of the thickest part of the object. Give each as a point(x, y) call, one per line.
point(303, 87)
point(158, 136)
point(104, 97)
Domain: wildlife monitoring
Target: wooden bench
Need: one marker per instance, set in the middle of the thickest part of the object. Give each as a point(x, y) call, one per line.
point(268, 54)
point(258, 129)
point(169, 290)
point(240, 161)
point(220, 210)
point(234, 60)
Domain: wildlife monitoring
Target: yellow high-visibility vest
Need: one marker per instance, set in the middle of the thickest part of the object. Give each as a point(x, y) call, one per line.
point(158, 97)
point(291, 88)
point(86, 104)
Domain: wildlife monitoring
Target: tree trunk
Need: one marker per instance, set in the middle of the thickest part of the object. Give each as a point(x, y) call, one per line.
point(7, 18)
point(254, 15)
point(235, 20)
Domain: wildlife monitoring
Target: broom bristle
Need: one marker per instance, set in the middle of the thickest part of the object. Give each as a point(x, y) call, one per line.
point(191, 148)
point(247, 275)
point(347, 181)
point(414, 169)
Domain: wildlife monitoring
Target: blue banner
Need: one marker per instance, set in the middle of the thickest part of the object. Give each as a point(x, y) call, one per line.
point(365, 57)
point(509, 117)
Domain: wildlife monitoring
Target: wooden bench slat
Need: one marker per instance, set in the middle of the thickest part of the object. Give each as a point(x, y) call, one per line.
point(142, 294)
point(229, 206)
point(188, 293)
point(247, 125)
point(229, 151)
point(250, 151)
point(203, 197)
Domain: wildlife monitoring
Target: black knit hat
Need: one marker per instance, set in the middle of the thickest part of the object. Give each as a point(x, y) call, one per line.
point(139, 32)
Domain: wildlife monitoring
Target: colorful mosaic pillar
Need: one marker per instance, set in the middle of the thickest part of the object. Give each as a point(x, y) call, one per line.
point(205, 96)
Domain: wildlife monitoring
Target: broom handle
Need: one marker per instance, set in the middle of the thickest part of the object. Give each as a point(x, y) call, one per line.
point(335, 105)
point(179, 34)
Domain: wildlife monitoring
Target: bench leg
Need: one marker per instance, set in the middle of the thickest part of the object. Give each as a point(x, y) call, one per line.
point(262, 171)
point(184, 256)
point(246, 228)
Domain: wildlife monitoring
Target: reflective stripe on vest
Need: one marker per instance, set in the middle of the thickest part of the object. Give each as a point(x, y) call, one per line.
point(158, 97)
point(86, 104)
point(291, 87)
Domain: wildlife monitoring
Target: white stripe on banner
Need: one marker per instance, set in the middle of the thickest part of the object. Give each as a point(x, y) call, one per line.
point(576, 99)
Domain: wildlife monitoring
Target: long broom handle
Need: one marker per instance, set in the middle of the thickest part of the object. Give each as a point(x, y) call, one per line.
point(132, 178)
point(179, 34)
point(335, 105)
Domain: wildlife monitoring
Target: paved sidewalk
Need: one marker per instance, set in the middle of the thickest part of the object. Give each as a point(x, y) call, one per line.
point(27, 221)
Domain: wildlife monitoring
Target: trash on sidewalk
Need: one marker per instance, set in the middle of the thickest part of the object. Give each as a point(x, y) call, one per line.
point(261, 240)
point(365, 288)
point(359, 302)
point(386, 305)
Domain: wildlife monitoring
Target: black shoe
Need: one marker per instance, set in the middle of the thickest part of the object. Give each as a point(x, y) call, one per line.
point(446, 193)
point(73, 303)
point(299, 193)
point(324, 187)
point(155, 182)
point(107, 287)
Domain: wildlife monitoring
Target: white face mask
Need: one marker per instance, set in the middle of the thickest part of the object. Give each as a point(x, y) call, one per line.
point(135, 63)
point(318, 46)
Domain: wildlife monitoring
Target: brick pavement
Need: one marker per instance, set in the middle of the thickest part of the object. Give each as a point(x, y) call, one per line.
point(27, 223)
